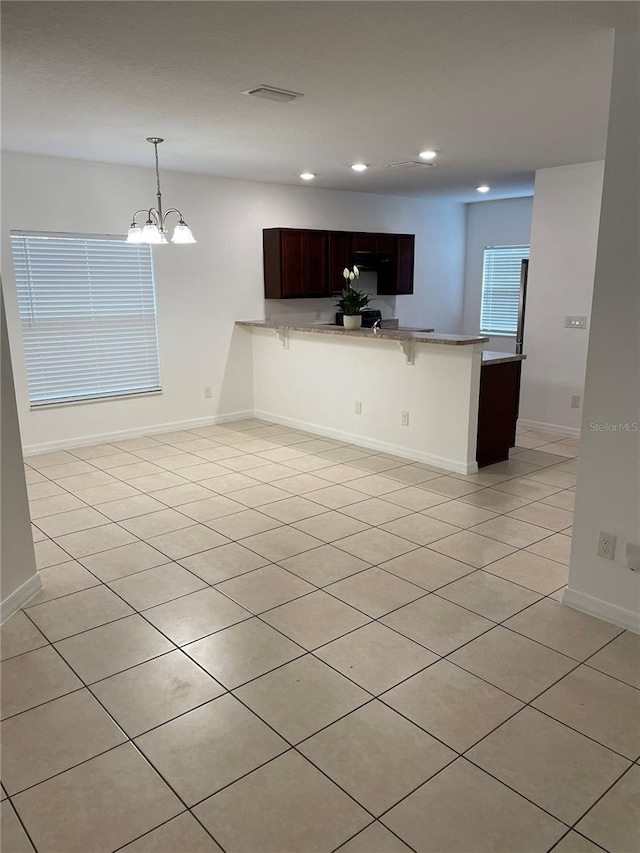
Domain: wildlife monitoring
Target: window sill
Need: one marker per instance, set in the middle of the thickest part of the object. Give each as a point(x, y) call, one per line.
point(59, 404)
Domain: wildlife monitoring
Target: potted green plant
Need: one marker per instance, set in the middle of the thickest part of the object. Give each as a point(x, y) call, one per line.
point(352, 300)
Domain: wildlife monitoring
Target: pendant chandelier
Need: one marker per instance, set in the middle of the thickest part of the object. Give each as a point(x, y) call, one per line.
point(155, 230)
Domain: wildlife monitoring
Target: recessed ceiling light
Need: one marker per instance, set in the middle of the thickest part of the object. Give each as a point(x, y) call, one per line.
point(307, 176)
point(428, 155)
point(359, 167)
point(483, 188)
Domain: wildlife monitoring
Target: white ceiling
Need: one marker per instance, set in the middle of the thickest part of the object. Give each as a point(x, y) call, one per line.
point(500, 88)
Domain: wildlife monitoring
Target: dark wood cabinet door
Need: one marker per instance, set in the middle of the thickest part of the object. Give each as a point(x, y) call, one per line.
point(364, 242)
point(293, 262)
point(315, 278)
point(404, 253)
point(340, 256)
point(386, 244)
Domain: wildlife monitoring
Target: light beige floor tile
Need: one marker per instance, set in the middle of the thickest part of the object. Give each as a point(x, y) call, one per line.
point(561, 628)
point(31, 476)
point(281, 454)
point(464, 809)
point(156, 691)
point(93, 541)
point(531, 570)
point(340, 473)
point(113, 460)
point(227, 483)
point(511, 531)
point(495, 500)
point(14, 838)
point(47, 554)
point(415, 498)
point(101, 493)
point(177, 495)
point(420, 528)
point(54, 737)
point(375, 463)
point(557, 448)
point(95, 480)
point(526, 488)
point(331, 526)
point(564, 500)
point(156, 523)
point(112, 648)
point(183, 834)
point(346, 454)
point(599, 707)
point(155, 586)
point(154, 483)
point(489, 595)
point(204, 472)
point(437, 624)
point(301, 697)
point(140, 442)
point(523, 749)
point(194, 616)
point(187, 541)
point(213, 507)
point(375, 592)
point(375, 657)
point(451, 487)
point(471, 548)
point(375, 837)
point(335, 497)
point(513, 663)
point(539, 457)
point(376, 485)
point(574, 843)
point(376, 546)
point(556, 547)
point(19, 635)
point(123, 561)
point(612, 823)
point(427, 568)
point(278, 544)
point(54, 504)
point(265, 588)
point(181, 749)
point(376, 756)
point(324, 565)
point(245, 523)
point(303, 484)
point(33, 678)
point(459, 513)
point(128, 508)
point(315, 619)
point(411, 474)
point(256, 496)
point(36, 534)
point(183, 462)
point(271, 472)
point(543, 515)
point(292, 509)
point(140, 468)
point(154, 451)
point(306, 463)
point(68, 469)
point(243, 652)
point(233, 459)
point(220, 564)
point(552, 477)
point(620, 659)
point(375, 511)
point(287, 805)
point(72, 810)
point(451, 704)
point(78, 612)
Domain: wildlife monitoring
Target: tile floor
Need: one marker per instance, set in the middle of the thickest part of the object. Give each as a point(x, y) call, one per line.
point(256, 640)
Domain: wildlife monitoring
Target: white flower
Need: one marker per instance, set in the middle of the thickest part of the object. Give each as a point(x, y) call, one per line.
point(356, 271)
point(351, 276)
point(345, 273)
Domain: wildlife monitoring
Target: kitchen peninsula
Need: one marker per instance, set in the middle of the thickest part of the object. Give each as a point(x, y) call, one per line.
point(412, 394)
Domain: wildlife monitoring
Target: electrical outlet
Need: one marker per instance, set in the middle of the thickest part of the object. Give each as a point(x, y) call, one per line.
point(404, 418)
point(606, 545)
point(358, 407)
point(575, 401)
point(207, 390)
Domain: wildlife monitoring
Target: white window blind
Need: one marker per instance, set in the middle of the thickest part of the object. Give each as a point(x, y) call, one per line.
point(88, 314)
point(501, 289)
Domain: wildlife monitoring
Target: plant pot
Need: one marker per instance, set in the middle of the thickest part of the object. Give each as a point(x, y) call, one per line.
point(352, 321)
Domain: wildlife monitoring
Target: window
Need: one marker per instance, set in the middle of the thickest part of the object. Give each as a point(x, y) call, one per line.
point(501, 289)
point(88, 314)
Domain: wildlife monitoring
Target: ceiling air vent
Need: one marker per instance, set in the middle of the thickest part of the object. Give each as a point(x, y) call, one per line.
point(270, 93)
point(409, 164)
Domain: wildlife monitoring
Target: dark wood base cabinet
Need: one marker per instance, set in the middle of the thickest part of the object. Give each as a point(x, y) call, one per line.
point(304, 263)
point(498, 411)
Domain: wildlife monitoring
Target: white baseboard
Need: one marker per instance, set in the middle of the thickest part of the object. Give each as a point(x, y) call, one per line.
point(602, 609)
point(20, 596)
point(374, 444)
point(557, 429)
point(120, 435)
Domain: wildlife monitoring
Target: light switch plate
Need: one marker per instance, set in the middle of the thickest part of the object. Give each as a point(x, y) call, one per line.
point(575, 321)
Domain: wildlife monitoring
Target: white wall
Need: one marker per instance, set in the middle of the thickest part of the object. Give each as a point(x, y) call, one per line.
point(18, 576)
point(564, 234)
point(491, 223)
point(608, 488)
point(203, 289)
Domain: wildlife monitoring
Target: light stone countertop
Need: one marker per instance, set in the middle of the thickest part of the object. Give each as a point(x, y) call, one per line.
point(491, 357)
point(382, 334)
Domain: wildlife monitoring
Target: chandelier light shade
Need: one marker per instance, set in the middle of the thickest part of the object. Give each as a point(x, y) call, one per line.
point(155, 227)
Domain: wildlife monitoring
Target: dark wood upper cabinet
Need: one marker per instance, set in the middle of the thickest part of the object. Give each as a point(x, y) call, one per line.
point(301, 263)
